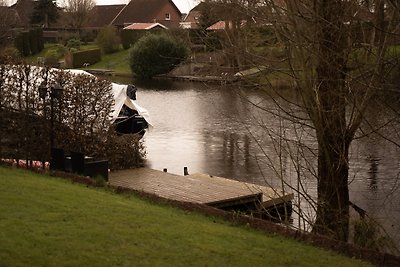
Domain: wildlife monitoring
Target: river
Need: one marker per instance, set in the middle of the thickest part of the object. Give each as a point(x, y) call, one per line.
point(216, 130)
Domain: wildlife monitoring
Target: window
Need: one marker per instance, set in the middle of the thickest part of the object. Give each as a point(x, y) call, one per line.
point(167, 16)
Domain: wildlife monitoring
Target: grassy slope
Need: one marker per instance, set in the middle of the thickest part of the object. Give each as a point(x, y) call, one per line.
point(51, 222)
point(118, 62)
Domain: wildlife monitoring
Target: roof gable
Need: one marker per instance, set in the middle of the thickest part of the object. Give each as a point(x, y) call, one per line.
point(103, 15)
point(143, 11)
point(24, 9)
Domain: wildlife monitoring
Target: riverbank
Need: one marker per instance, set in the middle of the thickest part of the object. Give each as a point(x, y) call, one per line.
point(49, 221)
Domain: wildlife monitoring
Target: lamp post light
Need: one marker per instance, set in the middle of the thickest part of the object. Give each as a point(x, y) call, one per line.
point(56, 92)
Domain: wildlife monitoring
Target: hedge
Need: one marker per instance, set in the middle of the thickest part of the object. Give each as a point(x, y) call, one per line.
point(79, 58)
point(29, 42)
point(33, 42)
point(26, 47)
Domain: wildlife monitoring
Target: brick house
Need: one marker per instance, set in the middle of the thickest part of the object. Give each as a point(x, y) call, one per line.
point(164, 12)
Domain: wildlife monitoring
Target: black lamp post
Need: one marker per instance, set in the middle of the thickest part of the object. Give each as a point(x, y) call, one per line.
point(55, 92)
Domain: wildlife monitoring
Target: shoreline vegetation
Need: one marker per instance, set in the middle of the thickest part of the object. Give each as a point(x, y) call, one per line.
point(202, 67)
point(51, 221)
point(199, 69)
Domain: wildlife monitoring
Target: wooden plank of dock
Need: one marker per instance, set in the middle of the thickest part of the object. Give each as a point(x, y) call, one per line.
point(196, 188)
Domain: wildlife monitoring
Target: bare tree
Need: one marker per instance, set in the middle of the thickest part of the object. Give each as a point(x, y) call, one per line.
point(78, 12)
point(336, 61)
point(8, 20)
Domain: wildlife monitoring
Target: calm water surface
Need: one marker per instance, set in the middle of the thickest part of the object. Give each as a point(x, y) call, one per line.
point(217, 131)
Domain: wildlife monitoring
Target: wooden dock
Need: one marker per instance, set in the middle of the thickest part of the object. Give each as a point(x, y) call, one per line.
point(201, 188)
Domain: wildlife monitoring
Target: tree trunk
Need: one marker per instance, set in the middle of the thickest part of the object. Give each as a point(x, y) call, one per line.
point(333, 140)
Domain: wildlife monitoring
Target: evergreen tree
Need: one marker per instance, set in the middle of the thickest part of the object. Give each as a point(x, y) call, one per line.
point(45, 12)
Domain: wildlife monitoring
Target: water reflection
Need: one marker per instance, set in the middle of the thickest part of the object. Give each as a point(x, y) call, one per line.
point(373, 170)
point(217, 131)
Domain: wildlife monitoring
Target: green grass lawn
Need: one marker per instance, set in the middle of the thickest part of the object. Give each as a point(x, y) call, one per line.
point(47, 221)
point(118, 62)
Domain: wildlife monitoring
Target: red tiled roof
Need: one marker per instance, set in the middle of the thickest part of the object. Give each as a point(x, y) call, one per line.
point(104, 15)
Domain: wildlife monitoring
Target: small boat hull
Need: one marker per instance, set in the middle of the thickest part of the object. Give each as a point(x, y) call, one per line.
point(131, 125)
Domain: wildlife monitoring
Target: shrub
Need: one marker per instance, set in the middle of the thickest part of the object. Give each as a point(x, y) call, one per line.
point(52, 57)
point(33, 41)
point(73, 43)
point(68, 36)
point(26, 49)
point(108, 40)
point(156, 54)
point(19, 43)
point(9, 54)
point(130, 37)
point(41, 39)
point(54, 54)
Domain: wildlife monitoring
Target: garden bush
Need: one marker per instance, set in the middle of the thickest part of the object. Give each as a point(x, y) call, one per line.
point(156, 54)
point(33, 41)
point(108, 40)
point(29, 42)
point(26, 49)
point(73, 43)
point(9, 54)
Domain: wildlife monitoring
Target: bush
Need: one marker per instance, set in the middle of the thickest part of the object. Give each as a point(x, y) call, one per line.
point(9, 54)
point(19, 43)
point(55, 53)
point(41, 39)
point(108, 40)
point(130, 37)
point(68, 36)
point(156, 54)
point(26, 49)
point(29, 42)
point(33, 41)
point(73, 43)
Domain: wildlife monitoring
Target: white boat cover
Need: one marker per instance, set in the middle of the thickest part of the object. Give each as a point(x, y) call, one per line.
point(120, 97)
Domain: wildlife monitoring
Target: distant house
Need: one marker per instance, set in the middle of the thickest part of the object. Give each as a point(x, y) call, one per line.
point(191, 20)
point(163, 12)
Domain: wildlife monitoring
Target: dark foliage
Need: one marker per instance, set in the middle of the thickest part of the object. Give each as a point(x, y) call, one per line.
point(108, 39)
point(156, 54)
point(45, 12)
point(29, 42)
